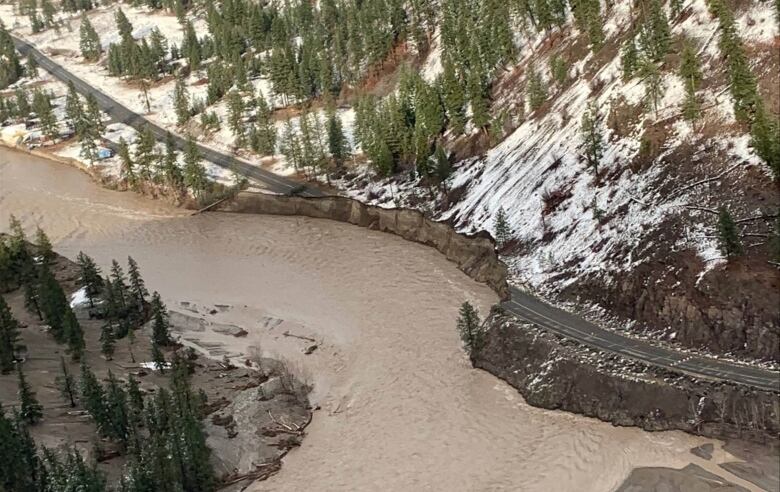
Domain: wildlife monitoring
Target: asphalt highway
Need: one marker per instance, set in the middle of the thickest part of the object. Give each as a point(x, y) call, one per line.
point(528, 307)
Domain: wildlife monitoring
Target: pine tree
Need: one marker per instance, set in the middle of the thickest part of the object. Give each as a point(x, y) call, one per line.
point(264, 136)
point(90, 129)
point(19, 463)
point(690, 69)
point(123, 25)
point(45, 112)
point(90, 41)
point(742, 82)
point(53, 304)
point(73, 109)
point(43, 246)
point(22, 101)
point(594, 23)
point(338, 146)
point(501, 229)
point(66, 384)
point(9, 338)
point(536, 89)
point(290, 145)
point(29, 409)
point(93, 397)
point(181, 102)
point(655, 34)
point(559, 69)
point(134, 397)
point(160, 323)
point(453, 99)
point(235, 105)
point(118, 285)
point(144, 153)
point(90, 280)
point(32, 67)
point(10, 66)
point(94, 116)
point(480, 105)
point(71, 473)
point(48, 11)
point(194, 172)
point(36, 24)
point(592, 137)
point(654, 85)
point(173, 174)
point(690, 72)
point(128, 167)
point(765, 138)
point(191, 47)
point(74, 335)
point(137, 287)
point(158, 358)
point(117, 411)
point(107, 341)
point(469, 329)
point(691, 106)
point(728, 234)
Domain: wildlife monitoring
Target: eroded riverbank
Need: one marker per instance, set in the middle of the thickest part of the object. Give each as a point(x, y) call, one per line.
point(401, 407)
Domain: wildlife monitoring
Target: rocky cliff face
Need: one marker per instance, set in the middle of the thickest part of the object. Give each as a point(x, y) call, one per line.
point(558, 374)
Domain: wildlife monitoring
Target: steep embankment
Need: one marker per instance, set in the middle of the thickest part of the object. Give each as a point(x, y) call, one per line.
point(554, 373)
point(474, 254)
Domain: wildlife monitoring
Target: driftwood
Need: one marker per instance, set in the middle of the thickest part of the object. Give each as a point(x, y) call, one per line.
point(288, 334)
point(261, 472)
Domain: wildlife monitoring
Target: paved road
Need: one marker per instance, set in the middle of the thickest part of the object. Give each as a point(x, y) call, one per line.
point(122, 114)
point(525, 306)
point(521, 304)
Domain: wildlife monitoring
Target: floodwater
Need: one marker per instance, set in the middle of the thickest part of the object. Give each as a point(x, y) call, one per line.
point(401, 408)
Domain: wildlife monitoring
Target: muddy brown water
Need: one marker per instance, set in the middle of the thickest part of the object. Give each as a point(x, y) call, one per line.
point(401, 408)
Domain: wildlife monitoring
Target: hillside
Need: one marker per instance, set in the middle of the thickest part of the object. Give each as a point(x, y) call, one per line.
point(471, 111)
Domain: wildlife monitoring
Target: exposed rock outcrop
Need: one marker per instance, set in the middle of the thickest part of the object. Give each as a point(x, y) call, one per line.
point(555, 373)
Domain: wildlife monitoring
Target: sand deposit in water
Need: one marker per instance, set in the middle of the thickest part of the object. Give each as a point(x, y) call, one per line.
point(401, 407)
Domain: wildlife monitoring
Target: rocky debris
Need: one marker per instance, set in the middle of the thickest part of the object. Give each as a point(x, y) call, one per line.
point(232, 330)
point(555, 373)
point(704, 451)
point(257, 428)
point(182, 322)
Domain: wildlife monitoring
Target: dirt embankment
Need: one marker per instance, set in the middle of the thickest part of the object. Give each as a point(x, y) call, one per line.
point(551, 372)
point(475, 255)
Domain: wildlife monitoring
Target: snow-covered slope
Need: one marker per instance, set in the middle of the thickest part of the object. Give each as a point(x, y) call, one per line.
point(636, 231)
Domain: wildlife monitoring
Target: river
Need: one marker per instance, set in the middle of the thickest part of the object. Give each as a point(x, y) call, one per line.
point(401, 408)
